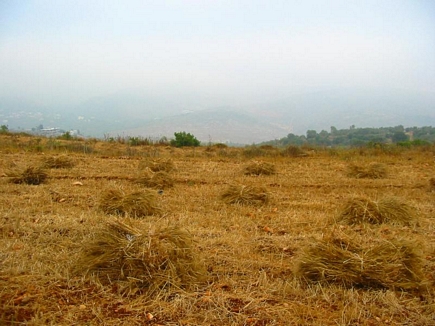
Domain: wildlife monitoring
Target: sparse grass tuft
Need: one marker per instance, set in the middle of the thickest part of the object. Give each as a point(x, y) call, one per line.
point(30, 175)
point(242, 194)
point(138, 258)
point(372, 171)
point(367, 261)
point(135, 204)
point(259, 168)
point(387, 210)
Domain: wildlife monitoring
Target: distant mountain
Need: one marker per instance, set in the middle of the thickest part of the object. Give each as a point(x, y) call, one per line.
point(215, 125)
point(157, 116)
point(343, 108)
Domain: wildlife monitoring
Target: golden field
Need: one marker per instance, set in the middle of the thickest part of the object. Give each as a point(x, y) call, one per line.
point(252, 257)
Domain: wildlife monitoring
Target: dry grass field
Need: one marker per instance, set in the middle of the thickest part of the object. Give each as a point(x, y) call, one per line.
point(282, 251)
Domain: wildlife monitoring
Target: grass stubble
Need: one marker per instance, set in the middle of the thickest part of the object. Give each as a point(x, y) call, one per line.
point(70, 262)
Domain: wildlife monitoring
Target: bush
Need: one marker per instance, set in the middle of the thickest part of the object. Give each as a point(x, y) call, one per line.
point(184, 139)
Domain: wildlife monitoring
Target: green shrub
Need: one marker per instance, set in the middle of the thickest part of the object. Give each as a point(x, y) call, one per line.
point(184, 139)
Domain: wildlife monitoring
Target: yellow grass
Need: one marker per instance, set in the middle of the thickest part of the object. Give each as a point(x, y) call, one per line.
point(250, 252)
point(385, 210)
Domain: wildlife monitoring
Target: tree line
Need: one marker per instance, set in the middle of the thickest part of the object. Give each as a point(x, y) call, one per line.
point(360, 137)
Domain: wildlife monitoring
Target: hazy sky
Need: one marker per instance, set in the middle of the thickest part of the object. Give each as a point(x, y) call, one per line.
point(241, 51)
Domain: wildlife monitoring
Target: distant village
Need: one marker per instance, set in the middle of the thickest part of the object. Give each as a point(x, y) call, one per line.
point(54, 132)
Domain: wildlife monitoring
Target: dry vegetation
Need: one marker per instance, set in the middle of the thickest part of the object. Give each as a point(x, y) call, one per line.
point(372, 171)
point(306, 245)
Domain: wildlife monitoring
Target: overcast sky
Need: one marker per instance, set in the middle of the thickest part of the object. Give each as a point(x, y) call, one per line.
point(242, 51)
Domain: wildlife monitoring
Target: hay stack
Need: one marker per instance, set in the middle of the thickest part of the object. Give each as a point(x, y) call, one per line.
point(362, 260)
point(135, 204)
point(387, 210)
point(241, 194)
point(58, 162)
point(293, 151)
point(160, 180)
point(142, 259)
point(30, 175)
point(372, 171)
point(259, 168)
point(157, 165)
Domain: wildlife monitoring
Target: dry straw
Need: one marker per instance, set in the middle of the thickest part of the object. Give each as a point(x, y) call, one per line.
point(141, 259)
point(135, 204)
point(371, 171)
point(58, 162)
point(166, 165)
point(362, 260)
point(386, 210)
point(432, 184)
point(160, 180)
point(241, 194)
point(30, 175)
point(259, 168)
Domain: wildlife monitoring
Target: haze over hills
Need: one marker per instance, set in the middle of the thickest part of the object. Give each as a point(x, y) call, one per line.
point(146, 116)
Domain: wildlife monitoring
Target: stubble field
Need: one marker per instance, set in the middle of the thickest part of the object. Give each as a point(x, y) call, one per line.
point(250, 256)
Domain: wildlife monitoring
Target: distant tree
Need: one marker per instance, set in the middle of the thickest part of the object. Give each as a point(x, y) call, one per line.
point(67, 136)
point(4, 129)
point(184, 139)
point(399, 136)
point(311, 134)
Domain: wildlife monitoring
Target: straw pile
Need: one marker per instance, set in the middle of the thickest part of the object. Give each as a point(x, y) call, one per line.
point(135, 204)
point(372, 171)
point(58, 162)
point(241, 194)
point(160, 180)
point(364, 261)
point(259, 168)
point(139, 259)
point(387, 210)
point(293, 151)
point(157, 165)
point(30, 175)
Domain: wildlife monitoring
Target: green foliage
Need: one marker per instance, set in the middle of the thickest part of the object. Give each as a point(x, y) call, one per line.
point(184, 139)
point(4, 129)
point(66, 136)
point(399, 136)
point(358, 137)
point(417, 142)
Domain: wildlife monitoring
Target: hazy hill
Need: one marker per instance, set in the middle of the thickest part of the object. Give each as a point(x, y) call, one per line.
point(343, 108)
point(215, 125)
point(157, 116)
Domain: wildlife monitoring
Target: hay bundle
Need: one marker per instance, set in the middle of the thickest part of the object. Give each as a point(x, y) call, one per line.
point(136, 204)
point(259, 168)
point(361, 260)
point(160, 180)
point(371, 171)
point(241, 194)
point(157, 165)
point(58, 162)
point(293, 151)
point(30, 175)
point(386, 210)
point(142, 259)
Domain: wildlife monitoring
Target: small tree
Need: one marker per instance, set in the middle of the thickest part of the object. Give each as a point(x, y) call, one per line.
point(4, 129)
point(184, 139)
point(399, 136)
